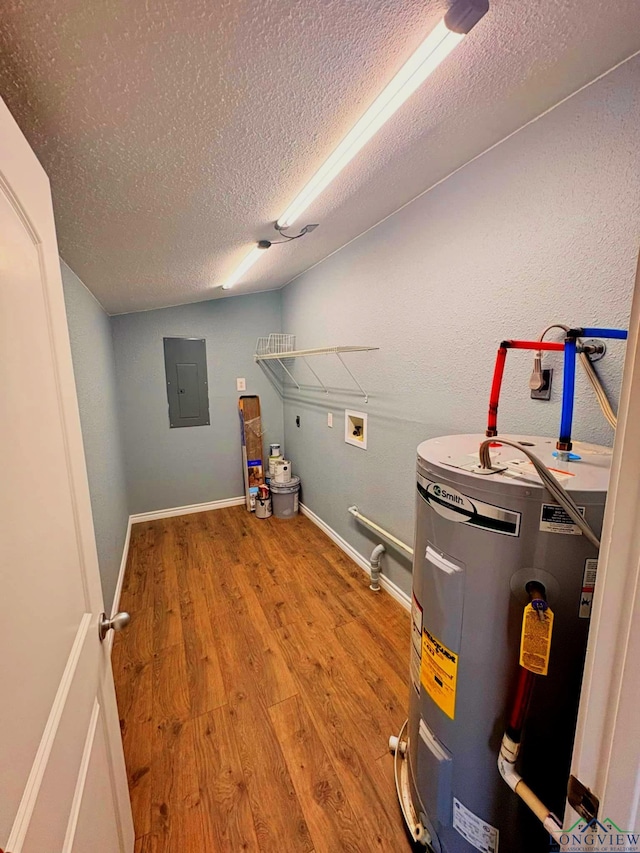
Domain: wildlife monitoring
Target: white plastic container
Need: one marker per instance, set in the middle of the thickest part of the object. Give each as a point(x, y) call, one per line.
point(284, 497)
point(283, 471)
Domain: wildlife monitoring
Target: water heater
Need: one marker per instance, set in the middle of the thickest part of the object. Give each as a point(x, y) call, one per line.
point(483, 541)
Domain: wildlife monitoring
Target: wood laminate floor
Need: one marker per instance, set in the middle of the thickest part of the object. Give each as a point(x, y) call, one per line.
point(258, 684)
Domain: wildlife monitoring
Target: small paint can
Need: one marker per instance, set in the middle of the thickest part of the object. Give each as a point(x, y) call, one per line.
point(263, 507)
point(283, 471)
point(274, 450)
point(273, 460)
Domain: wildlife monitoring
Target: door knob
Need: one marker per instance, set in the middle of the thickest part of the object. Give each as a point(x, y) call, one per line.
point(116, 623)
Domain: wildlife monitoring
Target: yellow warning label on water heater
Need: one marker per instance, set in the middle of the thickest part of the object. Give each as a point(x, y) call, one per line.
point(535, 644)
point(439, 673)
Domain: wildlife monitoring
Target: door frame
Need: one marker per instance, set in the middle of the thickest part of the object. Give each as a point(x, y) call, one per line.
point(606, 754)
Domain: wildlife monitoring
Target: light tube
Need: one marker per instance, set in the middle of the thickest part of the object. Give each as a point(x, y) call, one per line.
point(242, 268)
point(433, 50)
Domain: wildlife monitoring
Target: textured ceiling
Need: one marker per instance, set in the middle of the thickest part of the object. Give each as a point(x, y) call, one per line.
point(176, 131)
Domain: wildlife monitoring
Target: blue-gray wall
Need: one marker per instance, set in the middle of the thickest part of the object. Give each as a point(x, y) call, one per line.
point(94, 369)
point(177, 467)
point(546, 227)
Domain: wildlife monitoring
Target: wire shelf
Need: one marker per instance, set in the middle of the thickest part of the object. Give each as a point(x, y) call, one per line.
point(266, 352)
point(275, 344)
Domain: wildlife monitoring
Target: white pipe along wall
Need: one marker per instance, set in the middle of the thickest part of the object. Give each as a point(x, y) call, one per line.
point(374, 562)
point(373, 526)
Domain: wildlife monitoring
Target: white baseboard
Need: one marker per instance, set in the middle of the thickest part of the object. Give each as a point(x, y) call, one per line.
point(115, 607)
point(171, 512)
point(389, 586)
point(123, 568)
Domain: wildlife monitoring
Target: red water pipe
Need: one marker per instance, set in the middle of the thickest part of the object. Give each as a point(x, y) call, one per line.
point(520, 706)
point(539, 345)
point(501, 357)
point(526, 679)
point(494, 398)
point(512, 737)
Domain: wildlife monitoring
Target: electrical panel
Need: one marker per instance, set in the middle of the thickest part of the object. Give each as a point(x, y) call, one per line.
point(185, 361)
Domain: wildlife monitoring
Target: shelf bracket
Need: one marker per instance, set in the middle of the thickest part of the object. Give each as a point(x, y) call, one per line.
point(364, 393)
point(324, 387)
point(279, 360)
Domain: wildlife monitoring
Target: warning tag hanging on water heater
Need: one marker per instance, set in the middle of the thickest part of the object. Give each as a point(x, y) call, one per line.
point(535, 643)
point(439, 673)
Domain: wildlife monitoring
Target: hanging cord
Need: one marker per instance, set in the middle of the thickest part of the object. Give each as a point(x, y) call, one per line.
point(601, 394)
point(592, 376)
point(557, 492)
point(289, 237)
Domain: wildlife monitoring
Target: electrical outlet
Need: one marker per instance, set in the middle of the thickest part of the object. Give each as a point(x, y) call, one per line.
point(544, 393)
point(241, 384)
point(329, 419)
point(297, 420)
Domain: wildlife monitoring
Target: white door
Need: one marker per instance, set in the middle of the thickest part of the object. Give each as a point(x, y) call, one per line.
point(607, 749)
point(62, 778)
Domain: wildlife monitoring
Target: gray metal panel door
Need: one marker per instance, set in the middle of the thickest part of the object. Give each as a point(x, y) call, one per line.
point(185, 361)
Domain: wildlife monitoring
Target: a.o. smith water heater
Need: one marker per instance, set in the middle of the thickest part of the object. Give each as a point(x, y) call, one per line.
point(483, 542)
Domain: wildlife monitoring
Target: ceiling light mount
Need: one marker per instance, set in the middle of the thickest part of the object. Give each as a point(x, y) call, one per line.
point(259, 249)
point(463, 15)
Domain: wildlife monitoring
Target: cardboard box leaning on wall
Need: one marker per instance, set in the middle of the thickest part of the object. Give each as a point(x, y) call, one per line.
point(252, 453)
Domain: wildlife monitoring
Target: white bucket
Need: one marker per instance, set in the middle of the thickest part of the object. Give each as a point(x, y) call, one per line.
point(283, 471)
point(263, 507)
point(285, 498)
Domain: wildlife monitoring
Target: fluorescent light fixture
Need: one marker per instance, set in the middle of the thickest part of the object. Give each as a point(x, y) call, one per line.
point(462, 16)
point(433, 50)
point(242, 268)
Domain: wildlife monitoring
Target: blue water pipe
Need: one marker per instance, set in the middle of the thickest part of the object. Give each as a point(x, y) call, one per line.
point(568, 394)
point(569, 377)
point(620, 334)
